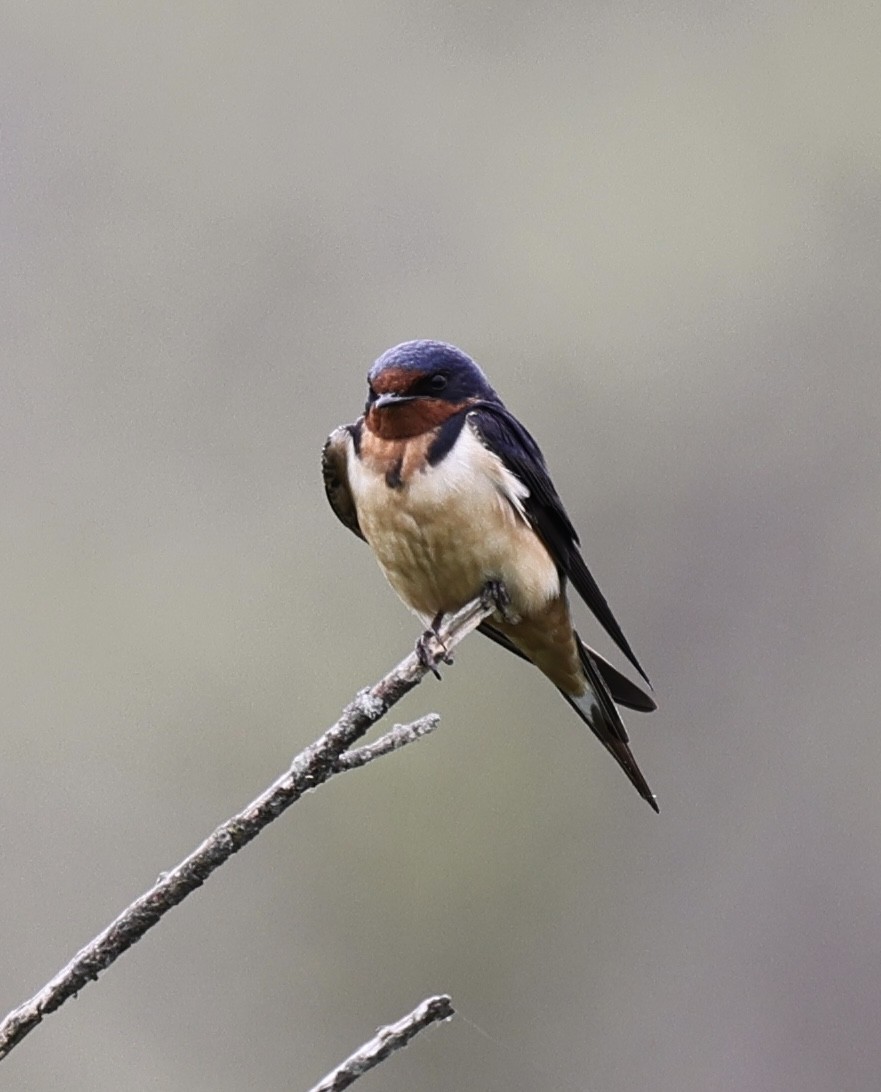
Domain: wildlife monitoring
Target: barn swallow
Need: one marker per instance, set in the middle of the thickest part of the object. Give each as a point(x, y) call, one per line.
point(453, 495)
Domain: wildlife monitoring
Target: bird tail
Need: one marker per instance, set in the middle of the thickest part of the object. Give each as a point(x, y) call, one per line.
point(623, 691)
point(597, 709)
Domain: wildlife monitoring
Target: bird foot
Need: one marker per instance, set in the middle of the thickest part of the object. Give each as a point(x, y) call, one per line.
point(423, 654)
point(496, 594)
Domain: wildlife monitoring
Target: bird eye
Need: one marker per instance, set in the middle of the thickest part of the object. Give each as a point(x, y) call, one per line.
point(438, 382)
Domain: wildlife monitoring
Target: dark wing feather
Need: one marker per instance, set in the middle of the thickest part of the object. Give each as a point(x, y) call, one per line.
point(503, 434)
point(336, 478)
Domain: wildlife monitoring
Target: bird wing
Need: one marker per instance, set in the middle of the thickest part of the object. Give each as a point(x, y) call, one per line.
point(334, 470)
point(502, 433)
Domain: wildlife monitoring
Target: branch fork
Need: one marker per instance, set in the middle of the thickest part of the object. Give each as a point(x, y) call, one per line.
point(331, 754)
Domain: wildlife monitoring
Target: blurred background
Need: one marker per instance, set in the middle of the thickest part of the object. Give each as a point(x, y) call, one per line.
point(656, 226)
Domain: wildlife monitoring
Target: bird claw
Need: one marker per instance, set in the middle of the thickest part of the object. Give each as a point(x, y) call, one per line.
point(496, 594)
point(423, 654)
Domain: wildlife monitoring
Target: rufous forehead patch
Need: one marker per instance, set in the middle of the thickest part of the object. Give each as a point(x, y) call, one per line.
point(396, 380)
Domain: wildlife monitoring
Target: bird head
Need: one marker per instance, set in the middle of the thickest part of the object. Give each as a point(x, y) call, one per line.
point(416, 386)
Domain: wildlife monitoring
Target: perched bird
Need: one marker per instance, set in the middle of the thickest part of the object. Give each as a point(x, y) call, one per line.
point(453, 494)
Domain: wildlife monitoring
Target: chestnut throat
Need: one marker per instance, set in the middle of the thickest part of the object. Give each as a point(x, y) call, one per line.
point(408, 419)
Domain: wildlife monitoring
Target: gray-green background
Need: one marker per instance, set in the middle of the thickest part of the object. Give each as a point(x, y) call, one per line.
point(656, 225)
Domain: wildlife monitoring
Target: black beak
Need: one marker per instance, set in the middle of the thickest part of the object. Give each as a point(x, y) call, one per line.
point(390, 399)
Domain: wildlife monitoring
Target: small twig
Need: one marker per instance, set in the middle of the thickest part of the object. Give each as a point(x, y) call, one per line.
point(385, 1042)
point(311, 768)
point(398, 736)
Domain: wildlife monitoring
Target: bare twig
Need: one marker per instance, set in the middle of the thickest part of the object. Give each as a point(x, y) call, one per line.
point(398, 736)
point(385, 1042)
point(311, 768)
